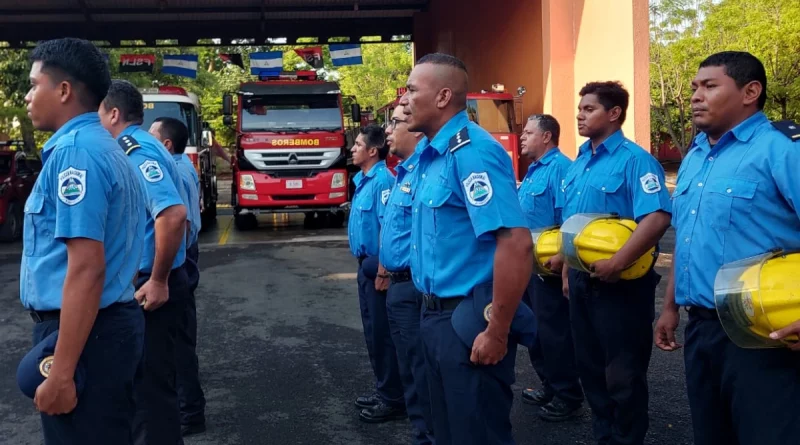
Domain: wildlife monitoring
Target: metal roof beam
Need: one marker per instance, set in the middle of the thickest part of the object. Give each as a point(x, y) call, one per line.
point(263, 9)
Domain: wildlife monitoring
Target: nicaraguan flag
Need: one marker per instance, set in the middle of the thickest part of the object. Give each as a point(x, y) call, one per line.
point(180, 65)
point(268, 63)
point(346, 54)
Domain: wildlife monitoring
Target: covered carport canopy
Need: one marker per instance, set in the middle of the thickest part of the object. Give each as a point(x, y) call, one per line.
point(195, 22)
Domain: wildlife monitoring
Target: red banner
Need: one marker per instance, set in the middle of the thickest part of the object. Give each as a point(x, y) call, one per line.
point(312, 56)
point(137, 63)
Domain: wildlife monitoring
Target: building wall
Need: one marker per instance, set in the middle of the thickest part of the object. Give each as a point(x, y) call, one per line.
point(552, 47)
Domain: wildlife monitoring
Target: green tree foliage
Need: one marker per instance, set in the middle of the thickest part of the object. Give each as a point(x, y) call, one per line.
point(684, 32)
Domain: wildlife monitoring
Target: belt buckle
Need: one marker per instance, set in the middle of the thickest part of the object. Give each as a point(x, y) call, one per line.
point(428, 300)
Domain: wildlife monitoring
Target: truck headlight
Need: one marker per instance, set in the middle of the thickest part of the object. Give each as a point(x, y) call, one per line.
point(337, 181)
point(246, 182)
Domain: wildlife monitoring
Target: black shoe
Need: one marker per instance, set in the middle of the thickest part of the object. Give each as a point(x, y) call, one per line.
point(536, 397)
point(382, 413)
point(195, 428)
point(558, 411)
point(368, 401)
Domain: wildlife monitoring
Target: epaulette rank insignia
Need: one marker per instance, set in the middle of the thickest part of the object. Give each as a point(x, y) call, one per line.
point(128, 144)
point(789, 128)
point(459, 140)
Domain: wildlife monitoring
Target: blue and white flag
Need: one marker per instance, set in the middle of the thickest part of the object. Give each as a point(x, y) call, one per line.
point(346, 54)
point(268, 63)
point(180, 65)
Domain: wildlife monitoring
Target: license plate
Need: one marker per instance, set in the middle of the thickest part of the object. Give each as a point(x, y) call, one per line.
point(294, 184)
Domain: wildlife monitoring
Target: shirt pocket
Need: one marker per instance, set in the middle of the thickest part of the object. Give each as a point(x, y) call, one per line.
point(35, 233)
point(433, 207)
point(366, 211)
point(534, 198)
point(602, 190)
point(402, 220)
point(678, 199)
point(727, 197)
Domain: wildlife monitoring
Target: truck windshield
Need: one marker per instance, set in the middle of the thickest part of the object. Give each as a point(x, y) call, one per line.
point(493, 115)
point(182, 111)
point(291, 113)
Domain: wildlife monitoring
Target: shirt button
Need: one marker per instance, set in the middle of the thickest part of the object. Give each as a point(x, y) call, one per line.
point(414, 246)
point(685, 268)
point(602, 188)
point(686, 240)
point(587, 169)
point(694, 211)
point(699, 184)
point(729, 190)
point(711, 158)
point(423, 175)
point(430, 202)
point(579, 193)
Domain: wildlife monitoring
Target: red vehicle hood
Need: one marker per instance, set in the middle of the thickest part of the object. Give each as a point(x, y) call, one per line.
point(303, 140)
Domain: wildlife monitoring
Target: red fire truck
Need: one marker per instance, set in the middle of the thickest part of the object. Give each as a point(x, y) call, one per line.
point(291, 149)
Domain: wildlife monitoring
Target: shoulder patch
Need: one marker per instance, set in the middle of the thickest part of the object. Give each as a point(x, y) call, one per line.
point(128, 144)
point(151, 171)
point(790, 129)
point(71, 186)
point(650, 183)
point(478, 189)
point(459, 140)
point(385, 196)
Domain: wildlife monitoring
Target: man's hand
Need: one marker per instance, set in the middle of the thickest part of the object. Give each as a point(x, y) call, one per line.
point(555, 263)
point(382, 279)
point(489, 348)
point(606, 270)
point(152, 295)
point(56, 395)
point(665, 330)
point(793, 328)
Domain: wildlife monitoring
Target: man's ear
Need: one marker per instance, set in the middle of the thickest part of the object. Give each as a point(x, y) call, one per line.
point(615, 113)
point(443, 98)
point(65, 91)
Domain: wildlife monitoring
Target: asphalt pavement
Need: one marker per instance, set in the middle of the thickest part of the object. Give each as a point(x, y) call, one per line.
point(282, 354)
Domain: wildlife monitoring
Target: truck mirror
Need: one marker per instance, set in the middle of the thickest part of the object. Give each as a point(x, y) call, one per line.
point(207, 138)
point(355, 113)
point(227, 104)
point(205, 125)
point(227, 120)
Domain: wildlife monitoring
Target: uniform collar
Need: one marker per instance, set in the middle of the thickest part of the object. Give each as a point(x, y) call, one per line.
point(360, 176)
point(442, 138)
point(408, 165)
point(610, 144)
point(76, 122)
point(130, 130)
point(742, 132)
point(177, 157)
point(548, 157)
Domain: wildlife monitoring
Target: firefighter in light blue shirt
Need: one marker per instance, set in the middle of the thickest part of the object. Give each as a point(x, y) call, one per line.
point(404, 301)
point(470, 257)
point(612, 318)
point(540, 197)
point(373, 185)
point(162, 282)
point(175, 135)
point(84, 229)
point(737, 197)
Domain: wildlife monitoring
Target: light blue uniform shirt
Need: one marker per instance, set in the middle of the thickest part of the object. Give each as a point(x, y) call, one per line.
point(162, 189)
point(396, 234)
point(465, 192)
point(191, 186)
point(367, 209)
point(540, 192)
point(620, 178)
point(734, 201)
point(86, 189)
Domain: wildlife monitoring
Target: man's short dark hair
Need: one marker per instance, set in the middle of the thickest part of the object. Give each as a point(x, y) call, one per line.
point(546, 122)
point(743, 68)
point(375, 137)
point(79, 62)
point(123, 96)
point(174, 130)
point(443, 59)
point(610, 95)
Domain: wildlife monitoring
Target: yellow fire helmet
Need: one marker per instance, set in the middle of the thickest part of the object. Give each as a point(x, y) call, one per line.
point(758, 295)
point(589, 237)
point(545, 246)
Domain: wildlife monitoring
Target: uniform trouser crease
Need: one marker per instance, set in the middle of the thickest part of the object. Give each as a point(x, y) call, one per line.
point(191, 398)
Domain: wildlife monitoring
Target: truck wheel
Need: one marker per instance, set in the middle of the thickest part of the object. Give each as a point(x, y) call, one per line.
point(11, 230)
point(336, 220)
point(311, 221)
point(209, 218)
point(245, 222)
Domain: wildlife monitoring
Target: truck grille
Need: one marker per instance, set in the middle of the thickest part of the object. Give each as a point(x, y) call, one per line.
point(286, 159)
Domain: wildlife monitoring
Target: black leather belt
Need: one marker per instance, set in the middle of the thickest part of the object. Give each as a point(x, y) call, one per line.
point(42, 316)
point(702, 313)
point(435, 303)
point(400, 277)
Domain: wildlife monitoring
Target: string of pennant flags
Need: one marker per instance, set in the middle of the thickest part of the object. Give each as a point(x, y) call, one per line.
point(261, 63)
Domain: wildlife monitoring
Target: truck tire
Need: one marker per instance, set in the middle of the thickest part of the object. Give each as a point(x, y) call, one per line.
point(209, 218)
point(311, 221)
point(11, 230)
point(245, 222)
point(336, 220)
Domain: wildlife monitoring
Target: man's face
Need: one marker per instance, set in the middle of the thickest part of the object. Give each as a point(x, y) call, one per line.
point(716, 98)
point(44, 99)
point(593, 118)
point(397, 135)
point(155, 130)
point(533, 141)
point(361, 154)
point(419, 101)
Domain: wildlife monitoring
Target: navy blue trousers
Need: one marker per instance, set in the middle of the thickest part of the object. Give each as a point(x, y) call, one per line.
point(157, 412)
point(535, 352)
point(377, 334)
point(105, 409)
point(470, 404)
point(191, 398)
point(739, 396)
point(612, 325)
point(404, 307)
